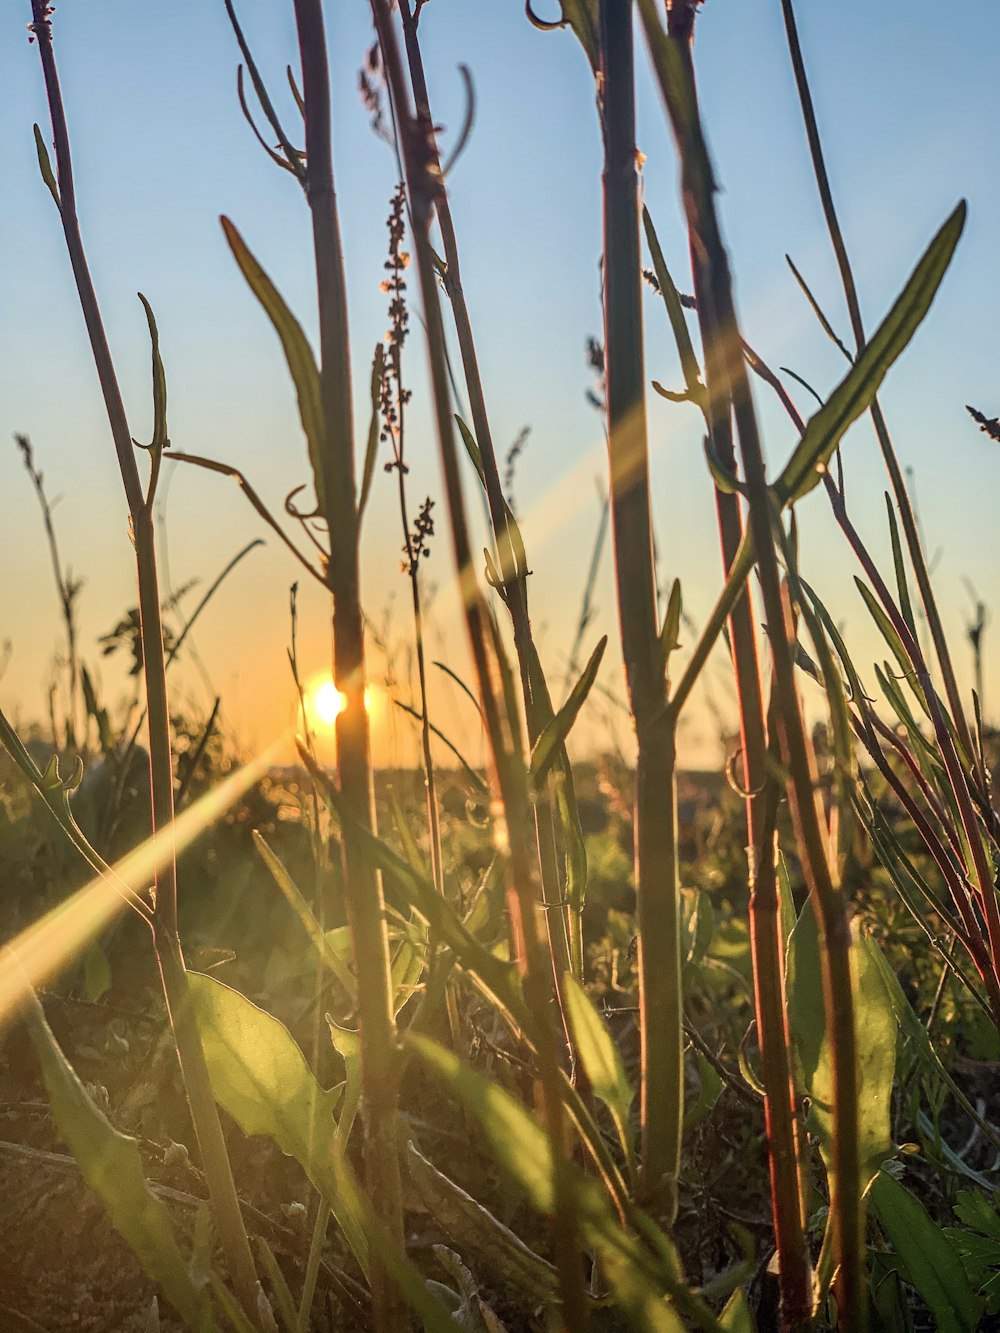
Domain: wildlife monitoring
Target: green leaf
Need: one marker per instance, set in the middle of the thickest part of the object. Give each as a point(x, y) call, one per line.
point(45, 167)
point(553, 736)
point(932, 1265)
point(638, 1275)
point(335, 958)
point(96, 972)
point(899, 563)
point(371, 449)
point(858, 388)
point(893, 640)
point(601, 1058)
point(260, 1076)
point(405, 834)
point(159, 441)
point(298, 354)
point(736, 1317)
point(670, 633)
point(695, 390)
point(110, 1163)
point(497, 980)
point(875, 1037)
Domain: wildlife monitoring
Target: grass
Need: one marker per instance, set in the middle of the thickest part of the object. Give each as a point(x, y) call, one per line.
point(626, 1043)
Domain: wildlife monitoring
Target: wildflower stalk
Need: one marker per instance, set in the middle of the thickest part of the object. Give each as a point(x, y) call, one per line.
point(363, 889)
point(170, 958)
point(512, 814)
point(656, 867)
point(394, 398)
point(713, 289)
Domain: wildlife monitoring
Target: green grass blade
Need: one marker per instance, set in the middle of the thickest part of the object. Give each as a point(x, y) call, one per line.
point(334, 960)
point(858, 388)
point(899, 563)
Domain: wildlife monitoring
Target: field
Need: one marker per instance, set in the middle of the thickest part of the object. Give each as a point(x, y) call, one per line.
point(551, 1027)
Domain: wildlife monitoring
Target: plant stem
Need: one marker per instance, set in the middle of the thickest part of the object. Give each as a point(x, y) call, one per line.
point(204, 1111)
point(365, 906)
point(715, 303)
point(656, 870)
point(511, 820)
point(763, 792)
point(900, 492)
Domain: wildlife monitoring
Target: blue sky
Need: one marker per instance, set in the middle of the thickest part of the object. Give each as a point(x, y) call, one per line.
point(909, 108)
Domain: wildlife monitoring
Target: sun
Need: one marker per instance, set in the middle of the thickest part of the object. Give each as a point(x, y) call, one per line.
point(325, 703)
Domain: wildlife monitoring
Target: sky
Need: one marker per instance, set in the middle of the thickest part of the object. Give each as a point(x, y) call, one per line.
point(909, 108)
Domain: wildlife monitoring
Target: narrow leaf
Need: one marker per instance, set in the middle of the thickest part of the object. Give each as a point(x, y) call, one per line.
point(899, 562)
point(111, 1165)
point(694, 388)
point(549, 744)
point(45, 167)
point(298, 353)
point(858, 388)
point(371, 449)
point(931, 1263)
point(601, 1059)
point(875, 1038)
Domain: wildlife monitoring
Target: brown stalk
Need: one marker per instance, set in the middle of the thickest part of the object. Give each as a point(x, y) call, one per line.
point(762, 787)
point(719, 324)
point(423, 185)
point(204, 1112)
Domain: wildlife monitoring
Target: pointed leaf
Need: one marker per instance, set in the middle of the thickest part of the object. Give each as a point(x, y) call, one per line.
point(601, 1058)
point(45, 167)
point(298, 353)
point(875, 1038)
point(260, 1076)
point(694, 388)
point(858, 388)
point(736, 1316)
point(899, 562)
point(931, 1262)
point(335, 959)
point(547, 748)
point(159, 441)
point(371, 449)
